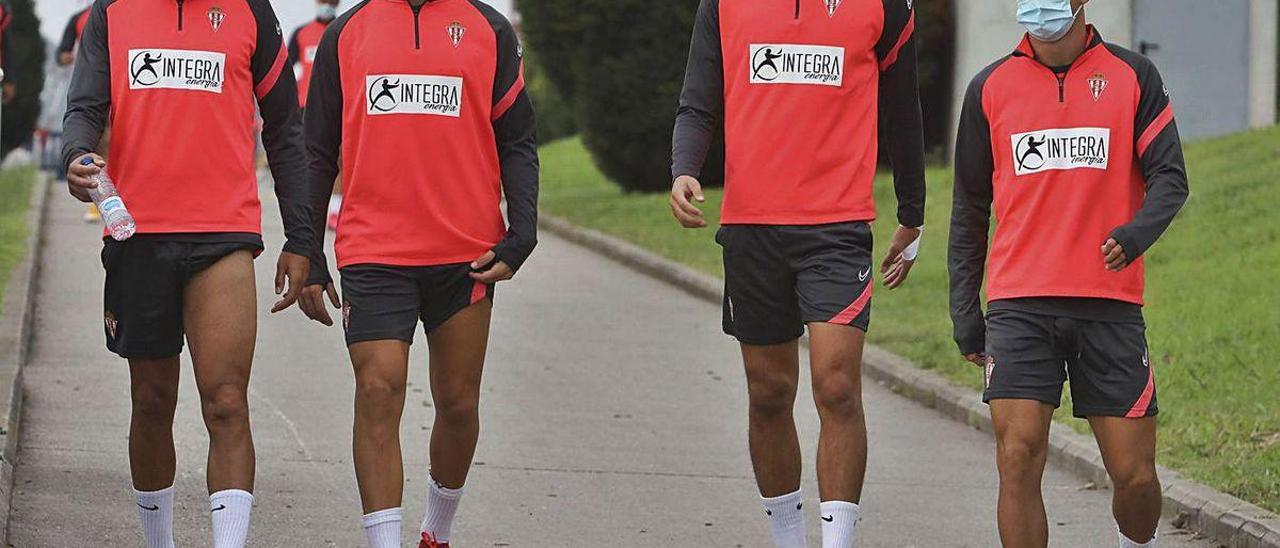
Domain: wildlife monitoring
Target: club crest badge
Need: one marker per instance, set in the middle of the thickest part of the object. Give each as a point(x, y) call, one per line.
point(1097, 85)
point(832, 6)
point(456, 32)
point(109, 320)
point(216, 18)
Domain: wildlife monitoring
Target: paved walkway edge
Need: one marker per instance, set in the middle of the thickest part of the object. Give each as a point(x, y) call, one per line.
point(15, 339)
point(1234, 522)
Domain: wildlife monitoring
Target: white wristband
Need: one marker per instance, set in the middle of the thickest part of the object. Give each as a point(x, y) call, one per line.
point(912, 251)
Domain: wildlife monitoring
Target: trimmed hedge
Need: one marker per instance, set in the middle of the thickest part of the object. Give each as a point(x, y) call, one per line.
point(27, 59)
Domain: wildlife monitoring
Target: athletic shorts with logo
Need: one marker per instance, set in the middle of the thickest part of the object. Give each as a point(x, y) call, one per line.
point(1032, 355)
point(383, 302)
point(146, 278)
point(780, 278)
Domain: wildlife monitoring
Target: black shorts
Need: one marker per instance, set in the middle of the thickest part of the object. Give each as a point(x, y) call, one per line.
point(779, 278)
point(381, 302)
point(1032, 355)
point(146, 277)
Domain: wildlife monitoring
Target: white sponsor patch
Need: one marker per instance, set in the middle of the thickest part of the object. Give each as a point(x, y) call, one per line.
point(413, 94)
point(1060, 149)
point(797, 64)
point(177, 69)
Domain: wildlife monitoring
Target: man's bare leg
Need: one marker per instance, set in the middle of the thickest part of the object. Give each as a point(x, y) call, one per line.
point(772, 375)
point(835, 356)
point(457, 364)
point(221, 320)
point(382, 369)
point(1129, 452)
point(154, 390)
point(1022, 443)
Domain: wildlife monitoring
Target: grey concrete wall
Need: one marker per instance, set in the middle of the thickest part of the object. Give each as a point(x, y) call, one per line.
point(986, 30)
point(1262, 67)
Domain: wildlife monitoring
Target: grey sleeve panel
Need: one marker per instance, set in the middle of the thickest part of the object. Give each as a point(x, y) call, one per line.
point(971, 218)
point(89, 95)
point(702, 100)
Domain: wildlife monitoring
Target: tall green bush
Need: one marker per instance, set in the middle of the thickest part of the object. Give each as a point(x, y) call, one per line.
point(27, 63)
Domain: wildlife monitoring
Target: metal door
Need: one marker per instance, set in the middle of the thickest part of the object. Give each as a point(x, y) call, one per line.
point(1202, 50)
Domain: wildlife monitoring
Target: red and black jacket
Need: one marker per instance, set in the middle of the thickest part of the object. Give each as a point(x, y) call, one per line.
point(302, 54)
point(6, 18)
point(178, 82)
point(426, 109)
point(1070, 157)
point(803, 88)
point(75, 28)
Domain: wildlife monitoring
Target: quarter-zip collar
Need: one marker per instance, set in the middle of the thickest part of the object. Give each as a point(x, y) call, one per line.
point(1025, 49)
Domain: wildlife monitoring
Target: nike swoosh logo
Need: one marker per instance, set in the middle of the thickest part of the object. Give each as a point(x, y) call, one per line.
point(828, 519)
point(220, 507)
point(151, 508)
point(862, 276)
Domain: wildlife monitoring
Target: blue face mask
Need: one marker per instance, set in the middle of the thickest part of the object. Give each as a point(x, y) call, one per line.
point(1047, 20)
point(325, 11)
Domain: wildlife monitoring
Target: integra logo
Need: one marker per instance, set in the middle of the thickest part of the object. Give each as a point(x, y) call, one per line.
point(797, 64)
point(414, 94)
point(176, 69)
point(1061, 149)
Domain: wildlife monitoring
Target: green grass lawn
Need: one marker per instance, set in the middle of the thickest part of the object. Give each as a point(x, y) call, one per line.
point(15, 197)
point(1213, 314)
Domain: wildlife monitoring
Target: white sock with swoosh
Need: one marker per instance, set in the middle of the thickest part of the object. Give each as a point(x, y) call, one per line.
point(786, 519)
point(839, 524)
point(230, 509)
point(155, 511)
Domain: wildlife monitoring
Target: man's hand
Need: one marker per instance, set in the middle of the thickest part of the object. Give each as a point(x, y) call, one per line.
point(294, 269)
point(896, 266)
point(7, 92)
point(66, 58)
point(979, 359)
point(312, 302)
point(682, 190)
point(1114, 255)
point(78, 176)
point(488, 271)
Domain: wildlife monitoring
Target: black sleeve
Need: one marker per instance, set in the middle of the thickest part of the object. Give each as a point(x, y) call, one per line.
point(515, 130)
point(901, 121)
point(702, 101)
point(324, 139)
point(1159, 150)
point(294, 54)
point(68, 43)
point(971, 219)
point(89, 95)
point(277, 94)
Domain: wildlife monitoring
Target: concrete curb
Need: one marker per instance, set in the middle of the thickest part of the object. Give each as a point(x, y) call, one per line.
point(1233, 522)
point(15, 338)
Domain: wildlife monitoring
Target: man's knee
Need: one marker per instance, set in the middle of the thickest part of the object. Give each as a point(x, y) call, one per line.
point(838, 395)
point(1020, 460)
point(1136, 477)
point(154, 402)
point(458, 403)
point(771, 395)
point(379, 395)
point(225, 405)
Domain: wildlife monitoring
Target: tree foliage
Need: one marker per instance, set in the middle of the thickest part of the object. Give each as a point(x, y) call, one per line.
point(26, 60)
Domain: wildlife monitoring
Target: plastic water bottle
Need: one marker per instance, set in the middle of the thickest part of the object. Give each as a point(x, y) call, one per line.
point(119, 221)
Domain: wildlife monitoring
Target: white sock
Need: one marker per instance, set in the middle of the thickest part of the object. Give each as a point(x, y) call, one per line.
point(442, 505)
point(155, 511)
point(839, 524)
point(382, 528)
point(230, 509)
point(1126, 543)
point(786, 519)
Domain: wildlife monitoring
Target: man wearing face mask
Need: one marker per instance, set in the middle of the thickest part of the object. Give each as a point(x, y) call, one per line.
point(302, 56)
point(1073, 139)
